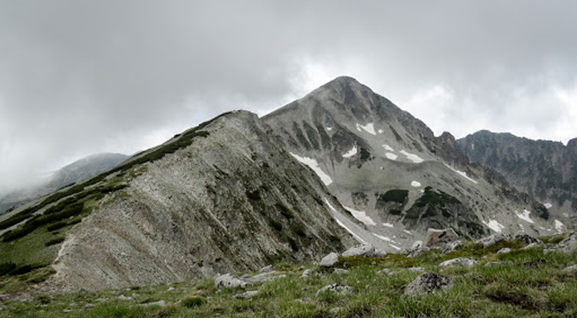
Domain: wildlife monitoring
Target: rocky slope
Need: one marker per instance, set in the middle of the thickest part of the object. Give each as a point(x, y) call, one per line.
point(77, 171)
point(393, 174)
point(546, 170)
point(229, 199)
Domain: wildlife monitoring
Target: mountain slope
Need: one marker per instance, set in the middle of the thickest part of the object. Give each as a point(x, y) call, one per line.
point(77, 171)
point(393, 173)
point(219, 198)
point(546, 170)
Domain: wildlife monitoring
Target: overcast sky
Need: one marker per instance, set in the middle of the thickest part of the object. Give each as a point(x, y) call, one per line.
point(82, 77)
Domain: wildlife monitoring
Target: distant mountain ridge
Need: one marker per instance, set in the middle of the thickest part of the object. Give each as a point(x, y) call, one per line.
point(77, 171)
point(546, 170)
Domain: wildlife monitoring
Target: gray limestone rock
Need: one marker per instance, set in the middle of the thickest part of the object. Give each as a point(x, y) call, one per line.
point(504, 250)
point(229, 281)
point(337, 288)
point(329, 260)
point(427, 283)
point(570, 269)
point(493, 239)
point(491, 264)
point(459, 261)
point(360, 250)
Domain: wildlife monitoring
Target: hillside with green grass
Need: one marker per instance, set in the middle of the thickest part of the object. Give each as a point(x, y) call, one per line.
point(525, 282)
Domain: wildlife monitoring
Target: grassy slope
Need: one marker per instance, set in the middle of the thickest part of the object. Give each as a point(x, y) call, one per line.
point(533, 286)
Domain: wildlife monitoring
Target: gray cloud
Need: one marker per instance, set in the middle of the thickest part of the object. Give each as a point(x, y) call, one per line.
point(78, 77)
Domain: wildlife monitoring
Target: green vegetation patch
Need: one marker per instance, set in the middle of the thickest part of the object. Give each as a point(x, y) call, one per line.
point(396, 195)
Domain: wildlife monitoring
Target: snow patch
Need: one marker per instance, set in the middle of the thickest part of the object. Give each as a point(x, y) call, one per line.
point(388, 148)
point(351, 152)
point(370, 128)
point(391, 156)
point(494, 225)
point(388, 225)
point(548, 205)
point(408, 232)
point(415, 184)
point(559, 226)
point(414, 158)
point(380, 131)
point(384, 238)
point(342, 225)
point(313, 164)
point(361, 216)
point(395, 247)
point(462, 174)
point(329, 128)
point(524, 216)
point(522, 227)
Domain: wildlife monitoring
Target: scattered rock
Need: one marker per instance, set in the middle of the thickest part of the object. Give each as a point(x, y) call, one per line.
point(88, 305)
point(378, 253)
point(417, 245)
point(570, 269)
point(504, 250)
point(386, 271)
point(122, 297)
point(459, 261)
point(428, 283)
point(568, 245)
point(304, 300)
point(171, 289)
point(493, 239)
point(533, 245)
point(66, 310)
point(246, 294)
point(340, 271)
point(266, 269)
point(440, 237)
point(306, 273)
point(337, 288)
point(417, 252)
point(329, 260)
point(490, 264)
point(451, 247)
point(160, 303)
point(527, 239)
point(360, 250)
point(416, 269)
point(229, 281)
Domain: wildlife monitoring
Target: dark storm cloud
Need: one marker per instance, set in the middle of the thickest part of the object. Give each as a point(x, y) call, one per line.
point(78, 77)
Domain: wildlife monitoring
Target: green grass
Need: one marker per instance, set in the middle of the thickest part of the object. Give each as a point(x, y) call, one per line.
point(533, 286)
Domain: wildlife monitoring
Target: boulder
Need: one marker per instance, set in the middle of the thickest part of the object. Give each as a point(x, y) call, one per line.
point(337, 288)
point(570, 269)
point(329, 260)
point(229, 281)
point(504, 250)
point(459, 261)
point(428, 283)
point(493, 239)
point(378, 253)
point(360, 250)
point(440, 237)
point(306, 273)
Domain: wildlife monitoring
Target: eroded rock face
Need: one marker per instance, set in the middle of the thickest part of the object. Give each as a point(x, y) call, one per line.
point(233, 200)
point(428, 283)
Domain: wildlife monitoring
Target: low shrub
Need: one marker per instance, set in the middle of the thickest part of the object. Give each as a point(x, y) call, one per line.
point(192, 302)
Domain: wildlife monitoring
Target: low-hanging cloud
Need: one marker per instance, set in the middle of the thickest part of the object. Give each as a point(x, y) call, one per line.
point(78, 77)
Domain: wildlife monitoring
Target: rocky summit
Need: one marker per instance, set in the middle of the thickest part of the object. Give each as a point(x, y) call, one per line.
point(342, 173)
